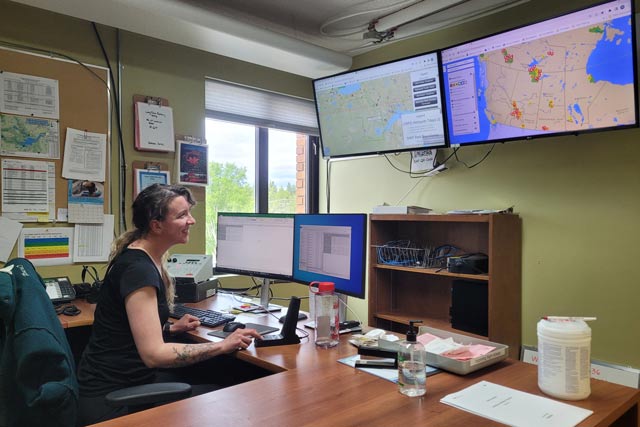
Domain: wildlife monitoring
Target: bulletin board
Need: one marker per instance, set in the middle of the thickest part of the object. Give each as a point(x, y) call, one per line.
point(84, 104)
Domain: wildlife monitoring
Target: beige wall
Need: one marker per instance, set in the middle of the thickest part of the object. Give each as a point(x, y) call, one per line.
point(577, 196)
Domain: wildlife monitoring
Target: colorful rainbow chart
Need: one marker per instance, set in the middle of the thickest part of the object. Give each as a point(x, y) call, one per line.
point(46, 247)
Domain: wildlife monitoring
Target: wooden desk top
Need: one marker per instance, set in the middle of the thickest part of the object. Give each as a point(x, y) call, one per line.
point(85, 318)
point(310, 387)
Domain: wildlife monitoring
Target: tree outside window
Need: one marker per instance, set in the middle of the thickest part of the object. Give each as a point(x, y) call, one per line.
point(235, 179)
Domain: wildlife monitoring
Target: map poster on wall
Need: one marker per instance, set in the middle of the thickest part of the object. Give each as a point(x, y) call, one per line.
point(193, 163)
point(29, 137)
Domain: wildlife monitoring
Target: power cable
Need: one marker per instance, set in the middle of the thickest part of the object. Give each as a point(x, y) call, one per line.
point(116, 100)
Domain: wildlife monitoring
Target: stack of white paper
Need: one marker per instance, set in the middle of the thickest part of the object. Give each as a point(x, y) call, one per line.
point(515, 408)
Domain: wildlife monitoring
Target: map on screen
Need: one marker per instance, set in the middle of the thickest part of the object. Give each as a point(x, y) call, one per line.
point(390, 107)
point(564, 75)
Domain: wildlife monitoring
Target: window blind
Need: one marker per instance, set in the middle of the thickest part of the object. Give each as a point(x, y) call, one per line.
point(232, 102)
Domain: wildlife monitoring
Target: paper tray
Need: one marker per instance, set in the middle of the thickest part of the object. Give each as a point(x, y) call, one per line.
point(500, 352)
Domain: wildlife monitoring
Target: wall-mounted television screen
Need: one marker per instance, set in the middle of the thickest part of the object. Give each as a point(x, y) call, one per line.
point(390, 107)
point(566, 75)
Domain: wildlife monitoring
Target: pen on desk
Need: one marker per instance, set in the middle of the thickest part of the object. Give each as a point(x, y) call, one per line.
point(552, 318)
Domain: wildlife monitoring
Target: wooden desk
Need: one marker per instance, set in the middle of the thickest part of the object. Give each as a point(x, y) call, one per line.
point(309, 387)
point(85, 318)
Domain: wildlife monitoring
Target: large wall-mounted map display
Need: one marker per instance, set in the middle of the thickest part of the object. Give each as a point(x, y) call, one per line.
point(568, 74)
point(390, 107)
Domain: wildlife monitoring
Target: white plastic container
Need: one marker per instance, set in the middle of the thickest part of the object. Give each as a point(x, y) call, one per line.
point(564, 358)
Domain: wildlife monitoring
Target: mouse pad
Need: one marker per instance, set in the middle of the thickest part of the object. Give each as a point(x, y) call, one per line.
point(262, 330)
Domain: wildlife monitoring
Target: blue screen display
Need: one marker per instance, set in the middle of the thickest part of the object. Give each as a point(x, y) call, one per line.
point(331, 247)
point(566, 75)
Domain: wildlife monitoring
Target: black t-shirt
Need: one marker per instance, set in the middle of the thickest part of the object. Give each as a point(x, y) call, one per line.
point(111, 360)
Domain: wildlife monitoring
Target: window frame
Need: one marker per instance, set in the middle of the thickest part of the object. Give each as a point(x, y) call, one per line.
point(312, 152)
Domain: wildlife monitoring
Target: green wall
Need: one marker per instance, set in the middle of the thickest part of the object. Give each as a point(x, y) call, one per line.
point(148, 67)
point(577, 196)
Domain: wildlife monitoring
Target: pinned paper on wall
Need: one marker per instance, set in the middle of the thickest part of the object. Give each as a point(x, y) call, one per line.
point(153, 126)
point(85, 155)
point(46, 246)
point(85, 201)
point(25, 186)
point(9, 236)
point(28, 95)
point(423, 160)
point(93, 241)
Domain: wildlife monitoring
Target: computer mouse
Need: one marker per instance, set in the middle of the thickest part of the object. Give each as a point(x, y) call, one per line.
point(232, 326)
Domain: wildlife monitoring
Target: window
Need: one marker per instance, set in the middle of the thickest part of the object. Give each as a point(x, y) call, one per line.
point(263, 153)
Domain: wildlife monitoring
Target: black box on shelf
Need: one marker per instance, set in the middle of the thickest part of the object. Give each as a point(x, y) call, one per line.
point(470, 306)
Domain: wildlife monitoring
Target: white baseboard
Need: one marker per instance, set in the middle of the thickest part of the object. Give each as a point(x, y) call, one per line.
point(623, 375)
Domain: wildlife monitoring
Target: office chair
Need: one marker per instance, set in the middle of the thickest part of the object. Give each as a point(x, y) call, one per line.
point(38, 384)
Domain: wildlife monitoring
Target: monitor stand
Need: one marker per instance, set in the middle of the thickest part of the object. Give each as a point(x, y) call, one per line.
point(264, 298)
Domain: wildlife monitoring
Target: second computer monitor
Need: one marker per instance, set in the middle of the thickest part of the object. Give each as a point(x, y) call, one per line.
point(331, 247)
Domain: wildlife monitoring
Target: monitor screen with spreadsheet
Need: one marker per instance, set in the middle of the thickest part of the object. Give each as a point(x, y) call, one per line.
point(331, 247)
point(254, 244)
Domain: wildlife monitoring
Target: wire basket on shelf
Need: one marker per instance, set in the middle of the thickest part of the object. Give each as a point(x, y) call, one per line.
point(438, 257)
point(400, 253)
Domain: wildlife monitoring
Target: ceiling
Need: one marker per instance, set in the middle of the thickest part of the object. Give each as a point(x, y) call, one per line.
point(343, 25)
point(312, 38)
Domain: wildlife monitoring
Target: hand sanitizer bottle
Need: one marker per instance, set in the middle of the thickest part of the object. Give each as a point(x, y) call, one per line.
point(412, 357)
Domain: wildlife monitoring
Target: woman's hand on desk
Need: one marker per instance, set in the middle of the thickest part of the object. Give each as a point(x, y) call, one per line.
point(186, 323)
point(239, 339)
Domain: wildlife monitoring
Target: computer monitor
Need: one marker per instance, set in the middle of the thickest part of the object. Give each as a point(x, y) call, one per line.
point(385, 108)
point(331, 247)
point(569, 74)
point(259, 245)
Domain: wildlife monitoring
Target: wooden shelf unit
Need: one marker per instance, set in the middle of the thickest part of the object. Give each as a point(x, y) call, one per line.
point(398, 294)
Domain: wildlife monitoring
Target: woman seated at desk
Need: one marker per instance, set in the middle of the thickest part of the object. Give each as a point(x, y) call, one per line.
point(126, 345)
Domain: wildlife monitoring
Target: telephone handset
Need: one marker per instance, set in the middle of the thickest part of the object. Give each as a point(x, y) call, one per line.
point(59, 289)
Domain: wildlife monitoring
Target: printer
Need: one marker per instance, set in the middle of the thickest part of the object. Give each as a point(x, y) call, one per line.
point(193, 275)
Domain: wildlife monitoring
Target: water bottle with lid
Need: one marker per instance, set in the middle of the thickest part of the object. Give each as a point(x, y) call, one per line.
point(326, 314)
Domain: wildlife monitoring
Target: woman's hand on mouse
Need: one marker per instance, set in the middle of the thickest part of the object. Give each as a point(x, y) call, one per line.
point(239, 339)
point(186, 323)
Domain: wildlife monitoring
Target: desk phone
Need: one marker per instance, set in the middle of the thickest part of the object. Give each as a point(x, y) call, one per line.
point(59, 289)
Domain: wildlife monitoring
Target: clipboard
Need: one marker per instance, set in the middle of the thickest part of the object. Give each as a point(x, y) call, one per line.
point(153, 122)
point(147, 173)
